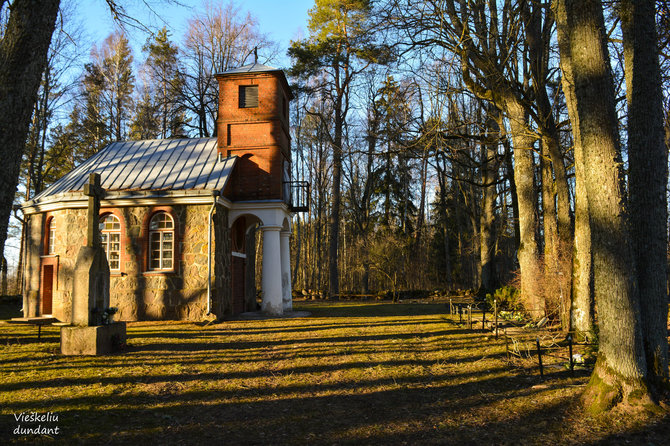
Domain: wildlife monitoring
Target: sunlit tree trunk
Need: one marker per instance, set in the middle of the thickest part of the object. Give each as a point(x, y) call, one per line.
point(555, 189)
point(582, 302)
point(487, 216)
point(528, 253)
point(648, 178)
point(582, 299)
point(23, 56)
point(620, 370)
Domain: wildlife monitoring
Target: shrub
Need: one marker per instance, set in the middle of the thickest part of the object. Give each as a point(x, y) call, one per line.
point(507, 298)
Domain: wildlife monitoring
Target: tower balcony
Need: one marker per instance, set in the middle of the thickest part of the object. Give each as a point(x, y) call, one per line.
point(297, 196)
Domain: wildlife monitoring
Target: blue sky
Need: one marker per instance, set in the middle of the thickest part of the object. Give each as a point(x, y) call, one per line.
point(282, 20)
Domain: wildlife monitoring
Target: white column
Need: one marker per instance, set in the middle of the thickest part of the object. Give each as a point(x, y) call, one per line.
point(271, 276)
point(287, 300)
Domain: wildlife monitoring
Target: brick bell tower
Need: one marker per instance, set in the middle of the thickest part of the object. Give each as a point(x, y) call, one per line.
point(253, 124)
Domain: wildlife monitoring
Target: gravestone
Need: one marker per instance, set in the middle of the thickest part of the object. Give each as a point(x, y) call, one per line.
point(90, 333)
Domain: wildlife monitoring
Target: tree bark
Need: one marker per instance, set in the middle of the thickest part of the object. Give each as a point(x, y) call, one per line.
point(582, 318)
point(556, 196)
point(528, 253)
point(3, 276)
point(620, 370)
point(334, 219)
point(550, 230)
point(23, 56)
point(487, 216)
point(648, 178)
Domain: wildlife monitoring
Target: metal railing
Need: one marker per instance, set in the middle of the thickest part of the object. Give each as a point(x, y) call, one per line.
point(298, 195)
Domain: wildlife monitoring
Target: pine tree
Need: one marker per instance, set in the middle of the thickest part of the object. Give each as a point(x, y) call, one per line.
point(113, 66)
point(145, 124)
point(339, 48)
point(164, 86)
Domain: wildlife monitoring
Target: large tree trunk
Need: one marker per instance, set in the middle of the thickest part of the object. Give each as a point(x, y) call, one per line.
point(620, 370)
point(3, 277)
point(528, 253)
point(442, 182)
point(648, 178)
point(564, 226)
point(334, 219)
point(23, 56)
point(582, 322)
point(556, 196)
point(550, 231)
point(487, 216)
point(582, 306)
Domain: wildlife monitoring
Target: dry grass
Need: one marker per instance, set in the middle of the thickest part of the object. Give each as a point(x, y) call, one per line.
point(352, 373)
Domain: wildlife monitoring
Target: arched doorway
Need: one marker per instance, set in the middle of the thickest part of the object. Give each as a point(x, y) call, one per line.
point(242, 264)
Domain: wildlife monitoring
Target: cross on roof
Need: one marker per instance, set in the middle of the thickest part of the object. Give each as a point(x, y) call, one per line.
point(95, 192)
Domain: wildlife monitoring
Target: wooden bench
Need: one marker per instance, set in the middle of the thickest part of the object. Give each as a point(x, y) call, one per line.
point(37, 321)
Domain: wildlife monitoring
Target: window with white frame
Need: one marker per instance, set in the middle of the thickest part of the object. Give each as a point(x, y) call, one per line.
point(51, 236)
point(161, 242)
point(110, 237)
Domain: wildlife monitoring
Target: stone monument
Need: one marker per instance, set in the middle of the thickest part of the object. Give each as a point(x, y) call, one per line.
point(91, 332)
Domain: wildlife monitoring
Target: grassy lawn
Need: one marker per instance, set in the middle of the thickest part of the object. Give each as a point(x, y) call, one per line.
point(351, 373)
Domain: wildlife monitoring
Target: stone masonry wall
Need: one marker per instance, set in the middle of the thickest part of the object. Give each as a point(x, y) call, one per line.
point(31, 294)
point(140, 294)
point(222, 298)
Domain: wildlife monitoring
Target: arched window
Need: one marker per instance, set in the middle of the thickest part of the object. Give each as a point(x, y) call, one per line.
point(110, 237)
point(51, 236)
point(161, 242)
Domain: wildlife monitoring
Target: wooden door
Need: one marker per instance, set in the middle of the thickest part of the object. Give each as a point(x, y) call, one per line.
point(47, 288)
point(237, 268)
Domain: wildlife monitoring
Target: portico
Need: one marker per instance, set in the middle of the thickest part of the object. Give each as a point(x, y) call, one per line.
point(274, 220)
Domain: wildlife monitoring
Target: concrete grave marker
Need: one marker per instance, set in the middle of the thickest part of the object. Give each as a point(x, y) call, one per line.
point(90, 295)
point(90, 334)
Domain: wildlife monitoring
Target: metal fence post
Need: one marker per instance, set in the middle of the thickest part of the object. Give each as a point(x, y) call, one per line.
point(539, 356)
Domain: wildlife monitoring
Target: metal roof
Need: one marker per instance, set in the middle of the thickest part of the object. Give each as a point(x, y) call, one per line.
point(147, 166)
point(251, 68)
point(259, 68)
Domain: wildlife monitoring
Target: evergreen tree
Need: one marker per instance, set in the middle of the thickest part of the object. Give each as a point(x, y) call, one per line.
point(113, 67)
point(145, 123)
point(91, 118)
point(339, 48)
point(163, 88)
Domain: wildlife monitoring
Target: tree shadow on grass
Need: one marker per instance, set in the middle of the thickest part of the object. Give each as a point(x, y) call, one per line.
point(181, 385)
point(399, 413)
point(384, 309)
point(256, 328)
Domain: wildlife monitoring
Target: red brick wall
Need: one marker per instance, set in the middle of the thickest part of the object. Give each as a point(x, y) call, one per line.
point(258, 136)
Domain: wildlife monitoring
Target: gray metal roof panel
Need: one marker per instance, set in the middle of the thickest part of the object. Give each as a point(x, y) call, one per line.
point(140, 159)
point(196, 171)
point(162, 163)
point(251, 68)
point(183, 164)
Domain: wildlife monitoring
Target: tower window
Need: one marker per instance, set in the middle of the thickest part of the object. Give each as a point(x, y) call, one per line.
point(248, 96)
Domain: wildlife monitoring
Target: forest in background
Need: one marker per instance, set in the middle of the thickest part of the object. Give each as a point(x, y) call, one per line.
point(448, 144)
point(408, 119)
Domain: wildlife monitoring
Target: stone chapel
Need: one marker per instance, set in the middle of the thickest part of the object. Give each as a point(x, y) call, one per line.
point(178, 216)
